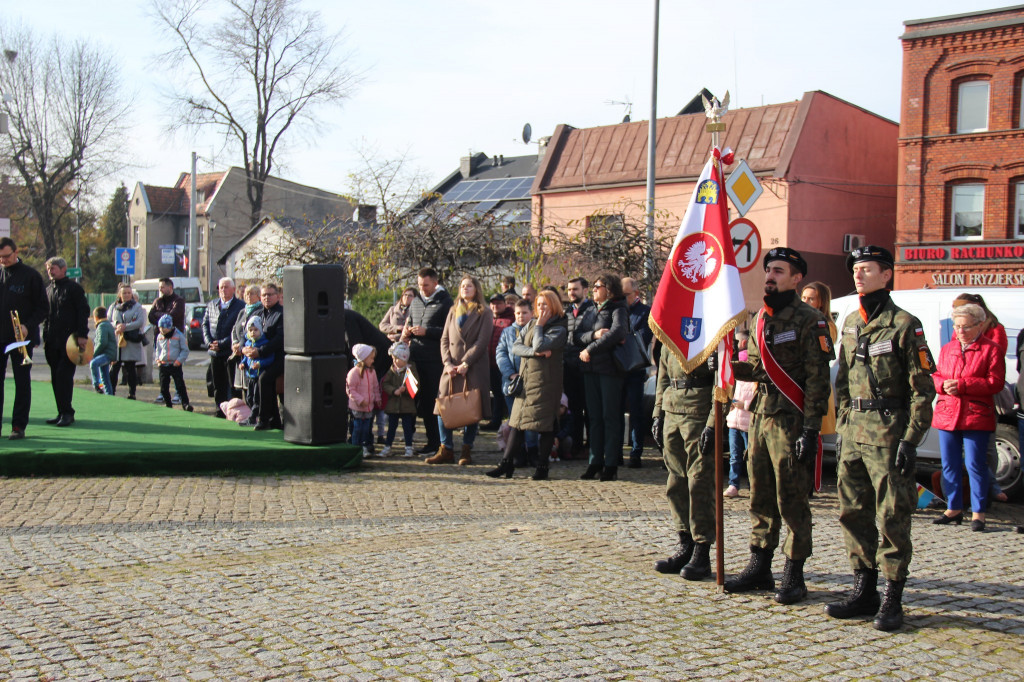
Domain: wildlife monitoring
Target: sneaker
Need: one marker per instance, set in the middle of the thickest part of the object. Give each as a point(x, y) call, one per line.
point(732, 491)
point(409, 451)
point(367, 453)
point(385, 451)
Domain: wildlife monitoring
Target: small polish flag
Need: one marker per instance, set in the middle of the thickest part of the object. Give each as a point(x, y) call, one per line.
point(411, 385)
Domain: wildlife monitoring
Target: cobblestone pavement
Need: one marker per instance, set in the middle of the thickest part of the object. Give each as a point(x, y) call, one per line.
point(405, 571)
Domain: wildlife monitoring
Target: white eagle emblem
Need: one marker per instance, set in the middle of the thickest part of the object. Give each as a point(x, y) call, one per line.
point(698, 262)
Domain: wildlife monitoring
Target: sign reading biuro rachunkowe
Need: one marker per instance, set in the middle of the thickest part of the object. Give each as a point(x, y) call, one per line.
point(1003, 252)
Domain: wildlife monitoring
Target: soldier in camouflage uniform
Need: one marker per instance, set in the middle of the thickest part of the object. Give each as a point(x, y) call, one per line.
point(884, 395)
point(783, 437)
point(682, 418)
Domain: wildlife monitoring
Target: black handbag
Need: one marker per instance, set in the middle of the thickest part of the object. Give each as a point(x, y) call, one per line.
point(630, 354)
point(514, 388)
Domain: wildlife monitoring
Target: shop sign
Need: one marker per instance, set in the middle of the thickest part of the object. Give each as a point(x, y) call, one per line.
point(954, 253)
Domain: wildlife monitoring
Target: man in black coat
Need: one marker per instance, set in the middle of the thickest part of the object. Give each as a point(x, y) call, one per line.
point(22, 291)
point(581, 314)
point(427, 315)
point(266, 411)
point(217, 323)
point(68, 314)
point(168, 303)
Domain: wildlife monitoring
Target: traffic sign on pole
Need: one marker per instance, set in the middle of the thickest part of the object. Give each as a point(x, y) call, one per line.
point(746, 242)
point(124, 261)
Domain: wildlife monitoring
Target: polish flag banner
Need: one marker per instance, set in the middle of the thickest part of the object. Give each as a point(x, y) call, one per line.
point(699, 299)
point(412, 386)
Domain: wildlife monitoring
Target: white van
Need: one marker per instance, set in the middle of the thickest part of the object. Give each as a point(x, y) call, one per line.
point(186, 287)
point(933, 308)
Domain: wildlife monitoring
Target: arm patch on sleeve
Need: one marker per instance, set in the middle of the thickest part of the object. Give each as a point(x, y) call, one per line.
point(925, 356)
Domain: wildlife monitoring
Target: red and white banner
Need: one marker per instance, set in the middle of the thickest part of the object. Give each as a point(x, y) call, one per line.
point(412, 386)
point(699, 299)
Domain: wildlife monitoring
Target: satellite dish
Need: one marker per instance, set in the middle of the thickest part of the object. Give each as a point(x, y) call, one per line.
point(527, 133)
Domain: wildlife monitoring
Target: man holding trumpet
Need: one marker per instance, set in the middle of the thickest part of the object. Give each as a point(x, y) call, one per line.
point(22, 307)
point(68, 315)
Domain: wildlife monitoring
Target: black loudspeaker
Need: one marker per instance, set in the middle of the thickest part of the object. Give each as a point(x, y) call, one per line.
point(315, 403)
point(314, 309)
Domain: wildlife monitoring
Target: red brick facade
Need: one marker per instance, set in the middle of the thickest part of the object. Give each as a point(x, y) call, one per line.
point(939, 55)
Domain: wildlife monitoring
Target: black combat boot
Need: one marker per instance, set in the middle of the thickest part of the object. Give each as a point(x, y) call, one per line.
point(792, 588)
point(675, 563)
point(699, 566)
point(757, 575)
point(890, 613)
point(863, 600)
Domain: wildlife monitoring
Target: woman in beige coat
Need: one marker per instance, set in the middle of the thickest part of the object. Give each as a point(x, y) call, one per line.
point(467, 331)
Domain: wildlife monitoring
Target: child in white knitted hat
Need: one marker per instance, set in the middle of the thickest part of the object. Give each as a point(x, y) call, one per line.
point(400, 405)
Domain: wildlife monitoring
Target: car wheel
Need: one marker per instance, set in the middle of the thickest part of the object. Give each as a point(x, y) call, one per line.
point(1008, 466)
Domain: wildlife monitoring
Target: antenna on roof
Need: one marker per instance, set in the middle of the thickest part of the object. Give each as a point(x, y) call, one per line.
point(623, 103)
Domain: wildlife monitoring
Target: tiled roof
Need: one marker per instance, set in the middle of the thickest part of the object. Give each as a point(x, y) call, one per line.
point(617, 154)
point(206, 185)
point(166, 200)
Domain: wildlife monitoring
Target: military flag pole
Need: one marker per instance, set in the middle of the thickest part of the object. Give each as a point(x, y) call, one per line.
point(716, 127)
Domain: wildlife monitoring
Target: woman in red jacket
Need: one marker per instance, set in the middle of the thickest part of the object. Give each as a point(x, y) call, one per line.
point(971, 371)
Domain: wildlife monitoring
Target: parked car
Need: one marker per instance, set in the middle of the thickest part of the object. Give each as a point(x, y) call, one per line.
point(933, 308)
point(194, 315)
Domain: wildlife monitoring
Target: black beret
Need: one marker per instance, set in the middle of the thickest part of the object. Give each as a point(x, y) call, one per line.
point(869, 253)
point(791, 256)
point(497, 297)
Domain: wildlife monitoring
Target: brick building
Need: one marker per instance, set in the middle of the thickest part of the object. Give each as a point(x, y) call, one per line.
point(961, 152)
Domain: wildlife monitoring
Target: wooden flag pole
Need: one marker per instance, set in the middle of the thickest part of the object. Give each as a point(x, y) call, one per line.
point(719, 510)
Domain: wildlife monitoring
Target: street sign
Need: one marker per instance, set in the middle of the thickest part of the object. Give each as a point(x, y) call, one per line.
point(124, 261)
point(74, 272)
point(746, 242)
point(743, 188)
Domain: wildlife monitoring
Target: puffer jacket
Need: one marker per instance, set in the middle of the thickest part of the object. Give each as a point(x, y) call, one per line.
point(980, 371)
point(614, 317)
point(537, 408)
point(739, 413)
point(363, 389)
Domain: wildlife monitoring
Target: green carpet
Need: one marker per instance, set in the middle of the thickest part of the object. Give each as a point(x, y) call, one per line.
point(112, 435)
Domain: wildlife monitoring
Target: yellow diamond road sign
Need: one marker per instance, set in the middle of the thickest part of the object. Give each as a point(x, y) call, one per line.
point(743, 188)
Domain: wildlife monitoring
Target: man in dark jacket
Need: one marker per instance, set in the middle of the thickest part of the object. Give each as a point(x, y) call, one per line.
point(21, 291)
point(265, 409)
point(427, 315)
point(634, 397)
point(68, 314)
point(581, 314)
point(221, 315)
point(168, 303)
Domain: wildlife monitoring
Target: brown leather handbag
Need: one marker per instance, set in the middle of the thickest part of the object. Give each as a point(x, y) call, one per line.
point(460, 409)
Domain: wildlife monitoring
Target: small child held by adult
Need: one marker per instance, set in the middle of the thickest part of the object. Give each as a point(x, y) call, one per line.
point(400, 406)
point(170, 352)
point(363, 391)
point(251, 366)
point(104, 352)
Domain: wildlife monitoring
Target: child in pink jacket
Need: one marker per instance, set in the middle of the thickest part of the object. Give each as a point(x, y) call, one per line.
point(363, 395)
point(738, 421)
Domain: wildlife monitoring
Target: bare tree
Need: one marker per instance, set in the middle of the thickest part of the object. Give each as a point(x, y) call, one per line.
point(613, 239)
point(67, 117)
point(257, 68)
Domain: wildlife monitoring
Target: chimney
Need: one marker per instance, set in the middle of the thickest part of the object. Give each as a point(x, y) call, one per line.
point(466, 166)
point(501, 159)
point(542, 147)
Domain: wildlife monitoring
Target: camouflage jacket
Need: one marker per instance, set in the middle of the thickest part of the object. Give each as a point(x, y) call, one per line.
point(902, 365)
point(799, 340)
point(672, 397)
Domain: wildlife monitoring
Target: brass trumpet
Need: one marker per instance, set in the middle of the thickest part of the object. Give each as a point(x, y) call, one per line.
point(19, 337)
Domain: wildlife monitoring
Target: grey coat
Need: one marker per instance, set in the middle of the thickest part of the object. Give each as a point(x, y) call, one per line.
point(536, 408)
point(133, 317)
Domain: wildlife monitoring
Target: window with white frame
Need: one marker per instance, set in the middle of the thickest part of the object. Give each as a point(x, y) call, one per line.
point(135, 236)
point(972, 107)
point(201, 237)
point(1019, 211)
point(968, 211)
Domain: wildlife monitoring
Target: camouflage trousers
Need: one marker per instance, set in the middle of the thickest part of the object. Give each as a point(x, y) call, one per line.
point(778, 485)
point(691, 477)
point(871, 490)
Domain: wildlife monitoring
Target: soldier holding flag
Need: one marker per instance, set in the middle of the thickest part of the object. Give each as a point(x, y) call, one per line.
point(788, 355)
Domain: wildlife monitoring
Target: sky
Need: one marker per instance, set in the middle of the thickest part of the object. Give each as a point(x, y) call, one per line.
point(445, 78)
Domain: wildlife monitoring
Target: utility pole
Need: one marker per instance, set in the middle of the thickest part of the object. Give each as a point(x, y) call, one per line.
point(651, 143)
point(192, 224)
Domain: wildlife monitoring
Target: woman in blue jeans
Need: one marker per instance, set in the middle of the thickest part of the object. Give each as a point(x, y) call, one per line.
point(603, 381)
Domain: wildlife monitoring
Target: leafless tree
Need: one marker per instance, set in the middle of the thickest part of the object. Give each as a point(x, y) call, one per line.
point(67, 117)
point(257, 68)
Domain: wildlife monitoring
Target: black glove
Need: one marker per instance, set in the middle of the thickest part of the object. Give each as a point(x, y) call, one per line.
point(659, 437)
point(906, 458)
point(742, 371)
point(806, 446)
point(707, 440)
